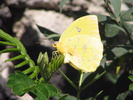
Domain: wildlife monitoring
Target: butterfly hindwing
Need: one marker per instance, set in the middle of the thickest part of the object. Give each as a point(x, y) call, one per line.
point(84, 52)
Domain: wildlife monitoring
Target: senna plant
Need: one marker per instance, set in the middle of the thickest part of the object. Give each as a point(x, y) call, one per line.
point(27, 81)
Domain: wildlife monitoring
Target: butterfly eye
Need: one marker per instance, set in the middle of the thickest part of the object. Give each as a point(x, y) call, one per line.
point(53, 44)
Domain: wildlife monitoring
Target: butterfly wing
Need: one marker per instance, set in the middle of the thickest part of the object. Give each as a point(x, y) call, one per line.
point(83, 52)
point(81, 45)
point(87, 25)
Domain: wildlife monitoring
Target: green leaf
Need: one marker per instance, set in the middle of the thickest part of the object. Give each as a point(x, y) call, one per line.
point(41, 92)
point(36, 98)
point(40, 57)
point(18, 82)
point(44, 91)
point(16, 58)
point(69, 97)
point(111, 30)
point(22, 64)
point(41, 80)
point(127, 15)
point(103, 61)
point(131, 87)
point(18, 89)
point(29, 70)
point(12, 40)
point(20, 76)
point(9, 50)
point(128, 26)
point(128, 1)
point(43, 59)
point(6, 43)
point(119, 51)
point(95, 97)
point(65, 97)
point(116, 4)
point(35, 73)
point(119, 86)
point(47, 69)
point(112, 78)
point(112, 16)
point(106, 98)
point(18, 46)
point(62, 3)
point(131, 77)
point(52, 90)
point(98, 94)
point(102, 18)
point(48, 33)
point(91, 78)
point(90, 98)
point(62, 97)
point(122, 96)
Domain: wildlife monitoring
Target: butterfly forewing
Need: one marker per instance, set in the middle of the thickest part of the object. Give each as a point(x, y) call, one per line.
point(87, 25)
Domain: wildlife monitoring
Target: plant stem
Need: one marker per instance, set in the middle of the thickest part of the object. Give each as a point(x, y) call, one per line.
point(78, 95)
point(79, 87)
point(68, 79)
point(80, 81)
point(93, 80)
point(128, 34)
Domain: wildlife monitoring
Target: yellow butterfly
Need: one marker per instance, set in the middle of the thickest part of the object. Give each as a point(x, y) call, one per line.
point(81, 45)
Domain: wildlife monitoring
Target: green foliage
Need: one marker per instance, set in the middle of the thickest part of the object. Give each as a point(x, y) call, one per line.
point(128, 1)
point(112, 30)
point(62, 3)
point(94, 98)
point(20, 84)
point(92, 77)
point(44, 91)
point(19, 48)
point(116, 5)
point(122, 96)
point(66, 97)
point(49, 34)
point(27, 81)
point(47, 68)
point(122, 52)
point(131, 85)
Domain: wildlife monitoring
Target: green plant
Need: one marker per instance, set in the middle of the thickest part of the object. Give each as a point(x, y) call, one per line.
point(117, 61)
point(27, 81)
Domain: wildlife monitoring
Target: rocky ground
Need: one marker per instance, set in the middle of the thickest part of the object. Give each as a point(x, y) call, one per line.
point(20, 17)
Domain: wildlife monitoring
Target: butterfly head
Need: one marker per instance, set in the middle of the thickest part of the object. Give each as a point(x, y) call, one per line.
point(63, 48)
point(60, 47)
